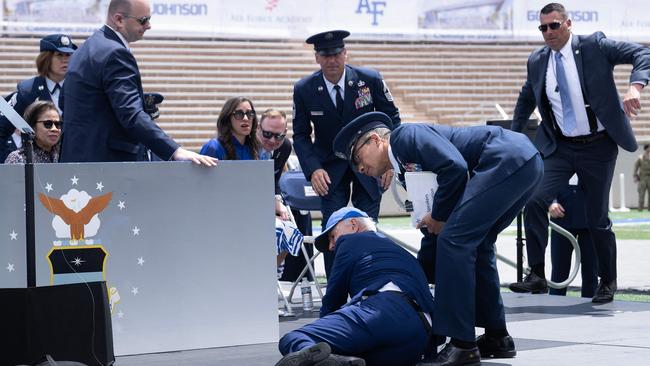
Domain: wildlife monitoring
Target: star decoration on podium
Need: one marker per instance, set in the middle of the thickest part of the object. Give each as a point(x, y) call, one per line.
point(135, 291)
point(10, 267)
point(48, 187)
point(136, 231)
point(121, 205)
point(74, 180)
point(100, 186)
point(141, 261)
point(14, 235)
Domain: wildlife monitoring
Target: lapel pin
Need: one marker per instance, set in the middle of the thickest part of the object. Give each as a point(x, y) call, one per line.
point(577, 52)
point(361, 83)
point(350, 83)
point(40, 87)
point(320, 89)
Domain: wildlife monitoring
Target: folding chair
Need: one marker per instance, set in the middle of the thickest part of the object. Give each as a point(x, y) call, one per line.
point(297, 193)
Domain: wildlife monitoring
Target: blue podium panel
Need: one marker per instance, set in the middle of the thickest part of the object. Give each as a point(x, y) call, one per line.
point(188, 252)
point(13, 265)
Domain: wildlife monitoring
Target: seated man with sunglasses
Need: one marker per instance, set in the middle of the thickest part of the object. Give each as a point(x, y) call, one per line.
point(105, 116)
point(584, 121)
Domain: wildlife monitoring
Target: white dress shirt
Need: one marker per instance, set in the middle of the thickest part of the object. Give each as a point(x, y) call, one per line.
point(577, 100)
point(54, 94)
point(330, 87)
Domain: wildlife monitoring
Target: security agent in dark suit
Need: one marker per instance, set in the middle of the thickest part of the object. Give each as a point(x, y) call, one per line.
point(105, 117)
point(52, 65)
point(324, 102)
point(570, 80)
point(568, 211)
point(387, 320)
point(485, 175)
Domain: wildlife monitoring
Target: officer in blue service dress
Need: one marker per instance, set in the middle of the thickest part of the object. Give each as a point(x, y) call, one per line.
point(485, 175)
point(324, 102)
point(52, 65)
point(387, 320)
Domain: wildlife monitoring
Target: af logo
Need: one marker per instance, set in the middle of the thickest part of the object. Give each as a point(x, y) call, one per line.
point(375, 8)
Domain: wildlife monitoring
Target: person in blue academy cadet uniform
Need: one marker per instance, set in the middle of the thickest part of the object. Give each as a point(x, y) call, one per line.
point(568, 211)
point(324, 102)
point(105, 119)
point(236, 132)
point(570, 80)
point(387, 320)
point(485, 175)
point(52, 65)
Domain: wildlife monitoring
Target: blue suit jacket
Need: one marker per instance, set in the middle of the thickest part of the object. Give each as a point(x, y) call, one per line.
point(105, 119)
point(595, 57)
point(482, 155)
point(365, 262)
point(313, 105)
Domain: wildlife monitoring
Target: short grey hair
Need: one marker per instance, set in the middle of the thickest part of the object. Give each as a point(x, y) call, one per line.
point(366, 223)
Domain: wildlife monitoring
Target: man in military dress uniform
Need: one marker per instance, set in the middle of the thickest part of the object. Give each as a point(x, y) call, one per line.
point(324, 102)
point(485, 175)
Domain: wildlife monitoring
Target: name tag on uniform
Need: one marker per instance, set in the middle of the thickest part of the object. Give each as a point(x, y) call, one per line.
point(316, 113)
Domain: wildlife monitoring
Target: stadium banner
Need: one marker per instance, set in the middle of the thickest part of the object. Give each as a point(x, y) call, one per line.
point(385, 19)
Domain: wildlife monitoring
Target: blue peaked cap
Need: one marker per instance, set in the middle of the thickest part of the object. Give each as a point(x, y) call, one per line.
point(346, 138)
point(322, 242)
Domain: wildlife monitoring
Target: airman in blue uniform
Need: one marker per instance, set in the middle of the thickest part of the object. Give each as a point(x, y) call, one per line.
point(324, 102)
point(485, 175)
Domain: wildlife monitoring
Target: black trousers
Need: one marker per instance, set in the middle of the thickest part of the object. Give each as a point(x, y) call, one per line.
point(594, 164)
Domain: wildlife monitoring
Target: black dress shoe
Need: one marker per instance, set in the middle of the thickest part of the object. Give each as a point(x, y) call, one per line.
point(338, 360)
point(531, 283)
point(454, 356)
point(604, 292)
point(496, 347)
point(306, 356)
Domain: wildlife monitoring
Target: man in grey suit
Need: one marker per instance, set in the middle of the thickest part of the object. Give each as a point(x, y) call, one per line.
point(105, 116)
point(584, 121)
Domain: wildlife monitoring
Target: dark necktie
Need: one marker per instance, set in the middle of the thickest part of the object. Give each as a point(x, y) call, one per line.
point(56, 87)
point(339, 100)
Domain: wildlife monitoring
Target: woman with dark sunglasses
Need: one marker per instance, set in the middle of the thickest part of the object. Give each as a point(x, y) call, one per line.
point(45, 120)
point(236, 128)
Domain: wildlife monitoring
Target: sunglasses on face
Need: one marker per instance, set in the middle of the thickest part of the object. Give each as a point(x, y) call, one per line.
point(142, 20)
point(239, 115)
point(273, 135)
point(554, 26)
point(48, 124)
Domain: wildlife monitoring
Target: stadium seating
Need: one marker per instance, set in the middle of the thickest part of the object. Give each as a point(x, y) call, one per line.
point(448, 83)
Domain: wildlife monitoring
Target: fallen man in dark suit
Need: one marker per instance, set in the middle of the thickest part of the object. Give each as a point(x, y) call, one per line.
point(386, 322)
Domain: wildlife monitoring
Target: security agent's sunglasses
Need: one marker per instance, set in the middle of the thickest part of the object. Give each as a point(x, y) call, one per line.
point(142, 20)
point(49, 123)
point(273, 135)
point(554, 26)
point(239, 114)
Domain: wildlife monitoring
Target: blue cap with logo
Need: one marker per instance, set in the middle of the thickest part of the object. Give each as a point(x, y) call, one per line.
point(58, 43)
point(346, 138)
point(328, 43)
point(322, 242)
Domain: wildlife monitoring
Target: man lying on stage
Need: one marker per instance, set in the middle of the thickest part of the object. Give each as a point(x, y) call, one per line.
point(386, 322)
